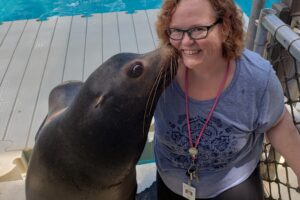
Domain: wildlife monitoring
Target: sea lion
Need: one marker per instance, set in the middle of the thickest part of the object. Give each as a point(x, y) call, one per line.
point(95, 132)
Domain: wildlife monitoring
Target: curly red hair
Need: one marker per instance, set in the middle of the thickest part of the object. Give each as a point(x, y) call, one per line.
point(226, 10)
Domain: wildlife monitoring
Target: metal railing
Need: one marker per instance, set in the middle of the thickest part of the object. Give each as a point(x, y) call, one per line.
point(276, 41)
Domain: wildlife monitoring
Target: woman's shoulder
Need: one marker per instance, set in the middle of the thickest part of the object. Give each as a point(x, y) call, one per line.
point(254, 72)
point(254, 61)
point(254, 66)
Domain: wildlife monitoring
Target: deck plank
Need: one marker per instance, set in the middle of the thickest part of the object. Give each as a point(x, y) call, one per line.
point(111, 40)
point(26, 99)
point(127, 33)
point(8, 47)
point(11, 82)
point(152, 17)
point(93, 50)
point(143, 32)
point(53, 74)
point(4, 28)
point(76, 49)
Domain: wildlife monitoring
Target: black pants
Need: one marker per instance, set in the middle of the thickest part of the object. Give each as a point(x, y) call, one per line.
point(250, 189)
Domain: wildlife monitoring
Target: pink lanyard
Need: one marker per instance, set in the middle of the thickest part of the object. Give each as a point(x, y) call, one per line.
point(193, 149)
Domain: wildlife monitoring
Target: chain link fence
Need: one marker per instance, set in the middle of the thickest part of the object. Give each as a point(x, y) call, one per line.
point(281, 46)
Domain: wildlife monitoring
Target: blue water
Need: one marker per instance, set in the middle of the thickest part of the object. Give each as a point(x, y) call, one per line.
point(31, 9)
point(247, 4)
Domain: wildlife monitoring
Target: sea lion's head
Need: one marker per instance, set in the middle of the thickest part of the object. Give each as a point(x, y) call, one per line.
point(126, 86)
point(123, 92)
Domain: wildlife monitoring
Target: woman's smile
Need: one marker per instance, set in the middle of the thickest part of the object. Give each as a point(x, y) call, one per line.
point(190, 52)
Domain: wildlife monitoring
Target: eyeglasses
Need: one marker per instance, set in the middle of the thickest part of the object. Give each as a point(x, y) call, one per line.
point(196, 33)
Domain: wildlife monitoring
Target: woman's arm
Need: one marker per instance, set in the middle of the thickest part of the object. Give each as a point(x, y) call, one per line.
point(285, 138)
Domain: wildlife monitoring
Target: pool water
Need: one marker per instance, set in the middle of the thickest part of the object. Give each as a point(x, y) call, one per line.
point(247, 4)
point(30, 9)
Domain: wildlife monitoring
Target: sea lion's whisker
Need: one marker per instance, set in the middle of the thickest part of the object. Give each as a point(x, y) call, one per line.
point(171, 70)
point(151, 97)
point(152, 93)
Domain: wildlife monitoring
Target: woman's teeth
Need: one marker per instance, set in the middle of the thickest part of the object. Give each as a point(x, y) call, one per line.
point(190, 52)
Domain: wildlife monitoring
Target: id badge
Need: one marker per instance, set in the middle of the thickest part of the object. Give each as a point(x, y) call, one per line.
point(188, 191)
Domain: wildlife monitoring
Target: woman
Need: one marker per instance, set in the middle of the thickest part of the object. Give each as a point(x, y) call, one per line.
point(210, 122)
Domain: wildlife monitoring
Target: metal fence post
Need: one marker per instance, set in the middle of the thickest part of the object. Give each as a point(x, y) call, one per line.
point(257, 5)
point(261, 35)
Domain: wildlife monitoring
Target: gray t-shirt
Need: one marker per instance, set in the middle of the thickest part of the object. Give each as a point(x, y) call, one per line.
point(230, 147)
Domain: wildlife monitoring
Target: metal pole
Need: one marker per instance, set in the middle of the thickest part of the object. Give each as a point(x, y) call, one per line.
point(261, 35)
point(283, 34)
point(257, 6)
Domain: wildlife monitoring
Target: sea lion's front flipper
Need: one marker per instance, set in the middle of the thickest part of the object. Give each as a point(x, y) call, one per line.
point(60, 98)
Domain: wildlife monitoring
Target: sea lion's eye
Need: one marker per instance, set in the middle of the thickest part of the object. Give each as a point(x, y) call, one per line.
point(136, 70)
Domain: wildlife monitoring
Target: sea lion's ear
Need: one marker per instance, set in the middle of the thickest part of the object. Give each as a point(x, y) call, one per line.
point(40, 128)
point(63, 95)
point(99, 101)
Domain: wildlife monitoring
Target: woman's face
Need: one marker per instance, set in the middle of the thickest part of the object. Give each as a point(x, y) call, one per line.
point(192, 13)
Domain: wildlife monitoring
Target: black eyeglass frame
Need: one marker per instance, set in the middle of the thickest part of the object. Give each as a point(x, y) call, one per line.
point(190, 30)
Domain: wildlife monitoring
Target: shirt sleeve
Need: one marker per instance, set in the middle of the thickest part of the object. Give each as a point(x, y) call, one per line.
point(271, 106)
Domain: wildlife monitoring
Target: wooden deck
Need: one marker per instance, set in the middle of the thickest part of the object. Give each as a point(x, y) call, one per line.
point(35, 56)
